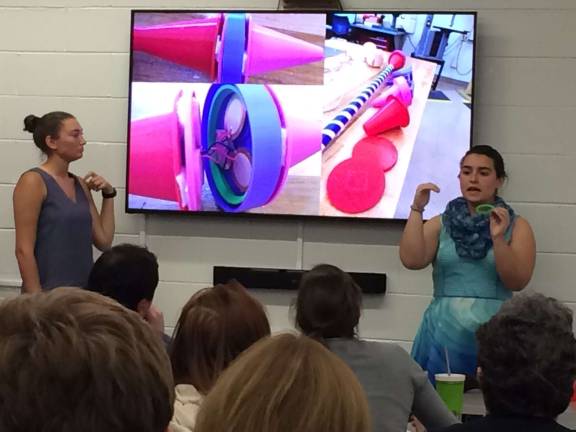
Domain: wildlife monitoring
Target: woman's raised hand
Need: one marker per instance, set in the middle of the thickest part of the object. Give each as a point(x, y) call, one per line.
point(422, 195)
point(96, 182)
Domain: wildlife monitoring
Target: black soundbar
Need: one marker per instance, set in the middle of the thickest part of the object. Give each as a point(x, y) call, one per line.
point(285, 279)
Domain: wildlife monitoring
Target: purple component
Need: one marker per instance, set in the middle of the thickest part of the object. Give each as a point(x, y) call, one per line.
point(231, 55)
point(406, 72)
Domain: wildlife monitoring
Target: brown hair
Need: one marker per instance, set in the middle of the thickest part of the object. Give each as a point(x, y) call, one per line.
point(286, 383)
point(215, 326)
point(48, 125)
point(328, 303)
point(72, 360)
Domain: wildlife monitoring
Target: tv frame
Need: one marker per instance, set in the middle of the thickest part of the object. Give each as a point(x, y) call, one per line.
point(282, 216)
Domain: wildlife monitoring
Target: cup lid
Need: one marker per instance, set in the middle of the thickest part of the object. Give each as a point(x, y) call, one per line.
point(450, 377)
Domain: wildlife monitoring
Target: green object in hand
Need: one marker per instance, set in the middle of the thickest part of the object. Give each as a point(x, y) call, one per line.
point(450, 387)
point(484, 209)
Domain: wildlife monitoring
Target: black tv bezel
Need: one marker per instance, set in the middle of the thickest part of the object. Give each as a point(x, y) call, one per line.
point(283, 216)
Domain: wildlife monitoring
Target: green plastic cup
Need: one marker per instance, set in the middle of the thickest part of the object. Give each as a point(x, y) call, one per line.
point(450, 387)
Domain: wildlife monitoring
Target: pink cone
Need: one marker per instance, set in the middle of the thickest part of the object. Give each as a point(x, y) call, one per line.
point(189, 43)
point(400, 88)
point(392, 115)
point(156, 157)
point(268, 50)
point(302, 124)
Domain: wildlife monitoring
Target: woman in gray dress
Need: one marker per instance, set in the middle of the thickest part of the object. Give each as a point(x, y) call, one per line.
point(55, 216)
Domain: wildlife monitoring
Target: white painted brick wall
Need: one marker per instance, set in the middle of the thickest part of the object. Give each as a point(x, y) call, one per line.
point(73, 55)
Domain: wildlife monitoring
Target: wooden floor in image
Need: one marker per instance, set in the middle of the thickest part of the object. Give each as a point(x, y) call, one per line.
point(347, 81)
point(299, 196)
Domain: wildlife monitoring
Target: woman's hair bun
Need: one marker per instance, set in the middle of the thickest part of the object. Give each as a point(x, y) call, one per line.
point(31, 123)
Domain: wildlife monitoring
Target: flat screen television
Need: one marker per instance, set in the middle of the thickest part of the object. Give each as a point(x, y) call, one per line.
point(297, 114)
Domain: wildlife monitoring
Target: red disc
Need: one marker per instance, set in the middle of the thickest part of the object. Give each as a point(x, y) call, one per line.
point(380, 149)
point(355, 185)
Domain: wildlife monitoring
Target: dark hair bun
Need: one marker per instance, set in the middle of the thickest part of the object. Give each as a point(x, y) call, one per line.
point(31, 123)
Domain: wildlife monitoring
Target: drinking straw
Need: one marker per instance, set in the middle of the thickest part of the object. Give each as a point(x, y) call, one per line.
point(447, 357)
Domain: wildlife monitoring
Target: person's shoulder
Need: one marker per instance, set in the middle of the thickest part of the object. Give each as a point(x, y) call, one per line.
point(187, 394)
point(522, 228)
point(30, 184)
point(31, 178)
point(187, 402)
point(521, 222)
point(374, 349)
point(387, 349)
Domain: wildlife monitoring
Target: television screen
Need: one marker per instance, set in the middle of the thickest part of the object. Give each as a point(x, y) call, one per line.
point(303, 114)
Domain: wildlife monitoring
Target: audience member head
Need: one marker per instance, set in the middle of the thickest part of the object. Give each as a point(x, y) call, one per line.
point(73, 360)
point(286, 383)
point(527, 357)
point(328, 304)
point(215, 326)
point(47, 126)
point(128, 274)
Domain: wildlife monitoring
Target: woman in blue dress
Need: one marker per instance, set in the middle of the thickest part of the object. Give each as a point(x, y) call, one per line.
point(478, 258)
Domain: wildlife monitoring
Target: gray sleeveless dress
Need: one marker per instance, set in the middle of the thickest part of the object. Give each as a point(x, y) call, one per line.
point(63, 248)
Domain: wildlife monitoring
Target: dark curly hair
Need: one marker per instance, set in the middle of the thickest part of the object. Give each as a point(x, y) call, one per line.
point(328, 303)
point(527, 356)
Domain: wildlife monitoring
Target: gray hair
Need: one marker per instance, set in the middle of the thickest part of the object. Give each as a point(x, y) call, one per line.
point(527, 356)
point(539, 308)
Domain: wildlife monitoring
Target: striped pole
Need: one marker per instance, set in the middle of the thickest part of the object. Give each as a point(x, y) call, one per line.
point(347, 115)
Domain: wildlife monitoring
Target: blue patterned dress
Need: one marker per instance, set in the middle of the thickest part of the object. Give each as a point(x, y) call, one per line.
point(467, 293)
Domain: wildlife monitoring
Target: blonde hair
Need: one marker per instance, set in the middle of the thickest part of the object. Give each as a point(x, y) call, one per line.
point(72, 360)
point(286, 383)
